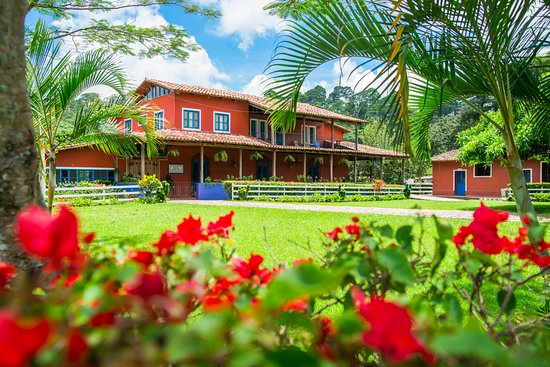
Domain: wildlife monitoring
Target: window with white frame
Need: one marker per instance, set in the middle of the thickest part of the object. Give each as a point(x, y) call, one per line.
point(142, 120)
point(222, 122)
point(309, 134)
point(482, 170)
point(127, 126)
point(259, 129)
point(253, 130)
point(528, 174)
point(544, 172)
point(191, 119)
point(159, 120)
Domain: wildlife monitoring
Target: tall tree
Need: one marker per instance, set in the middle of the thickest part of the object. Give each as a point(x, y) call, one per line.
point(168, 40)
point(316, 96)
point(55, 81)
point(18, 183)
point(430, 52)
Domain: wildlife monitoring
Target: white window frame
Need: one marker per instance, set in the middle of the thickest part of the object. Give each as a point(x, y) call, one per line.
point(256, 123)
point(266, 132)
point(214, 122)
point(155, 119)
point(183, 119)
point(126, 120)
point(490, 171)
point(465, 180)
point(540, 173)
point(530, 173)
point(305, 136)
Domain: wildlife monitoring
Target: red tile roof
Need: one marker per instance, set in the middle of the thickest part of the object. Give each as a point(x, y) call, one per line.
point(446, 157)
point(189, 136)
point(260, 102)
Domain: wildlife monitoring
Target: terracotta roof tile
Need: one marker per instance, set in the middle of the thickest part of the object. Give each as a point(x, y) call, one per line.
point(446, 157)
point(260, 102)
point(372, 150)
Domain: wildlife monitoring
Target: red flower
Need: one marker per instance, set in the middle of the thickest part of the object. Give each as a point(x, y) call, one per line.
point(190, 231)
point(251, 270)
point(527, 251)
point(483, 230)
point(144, 258)
point(222, 226)
point(89, 238)
point(147, 286)
point(221, 295)
point(7, 273)
point(20, 340)
point(51, 238)
point(77, 348)
point(167, 243)
point(326, 329)
point(353, 230)
point(333, 235)
point(298, 304)
point(299, 262)
point(106, 318)
point(390, 329)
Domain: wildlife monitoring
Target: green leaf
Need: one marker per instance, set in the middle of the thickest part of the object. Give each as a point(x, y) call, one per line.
point(306, 279)
point(444, 230)
point(439, 254)
point(397, 264)
point(501, 296)
point(463, 343)
point(386, 231)
point(404, 237)
point(452, 308)
point(291, 356)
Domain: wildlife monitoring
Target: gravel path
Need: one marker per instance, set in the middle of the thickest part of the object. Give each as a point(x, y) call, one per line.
point(458, 214)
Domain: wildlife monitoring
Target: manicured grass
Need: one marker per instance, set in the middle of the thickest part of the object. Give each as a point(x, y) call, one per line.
point(542, 208)
point(285, 235)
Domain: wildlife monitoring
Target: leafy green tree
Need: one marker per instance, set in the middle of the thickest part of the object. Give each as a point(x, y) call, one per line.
point(429, 53)
point(315, 97)
point(55, 82)
point(292, 8)
point(168, 40)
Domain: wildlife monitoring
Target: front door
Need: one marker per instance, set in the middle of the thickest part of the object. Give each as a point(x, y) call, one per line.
point(460, 183)
point(196, 173)
point(262, 171)
point(313, 171)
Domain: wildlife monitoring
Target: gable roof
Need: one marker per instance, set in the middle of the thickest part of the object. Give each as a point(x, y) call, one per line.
point(302, 109)
point(446, 157)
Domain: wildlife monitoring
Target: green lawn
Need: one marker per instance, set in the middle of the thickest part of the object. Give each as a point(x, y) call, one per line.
point(285, 234)
point(542, 208)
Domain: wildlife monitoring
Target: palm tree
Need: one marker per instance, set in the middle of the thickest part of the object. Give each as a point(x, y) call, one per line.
point(55, 81)
point(429, 53)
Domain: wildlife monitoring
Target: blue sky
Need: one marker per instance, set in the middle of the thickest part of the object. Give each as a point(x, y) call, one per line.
point(236, 47)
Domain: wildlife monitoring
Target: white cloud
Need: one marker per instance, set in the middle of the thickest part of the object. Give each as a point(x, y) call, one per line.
point(257, 85)
point(247, 20)
point(199, 68)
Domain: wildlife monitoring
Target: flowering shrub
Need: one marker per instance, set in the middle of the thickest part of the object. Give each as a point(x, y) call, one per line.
point(374, 297)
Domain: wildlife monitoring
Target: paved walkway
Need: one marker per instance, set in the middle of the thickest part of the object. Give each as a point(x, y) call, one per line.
point(458, 214)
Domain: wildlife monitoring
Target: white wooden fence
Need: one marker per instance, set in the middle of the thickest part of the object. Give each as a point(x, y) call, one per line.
point(507, 192)
point(97, 193)
point(273, 191)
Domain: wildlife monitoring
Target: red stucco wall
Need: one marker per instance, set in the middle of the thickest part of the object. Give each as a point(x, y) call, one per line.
point(84, 157)
point(443, 178)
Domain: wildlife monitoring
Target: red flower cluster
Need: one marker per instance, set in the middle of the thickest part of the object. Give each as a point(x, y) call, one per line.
point(54, 239)
point(7, 273)
point(250, 270)
point(354, 230)
point(390, 329)
point(484, 234)
point(21, 339)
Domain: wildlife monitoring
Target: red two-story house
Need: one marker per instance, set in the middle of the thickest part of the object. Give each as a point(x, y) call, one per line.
point(200, 125)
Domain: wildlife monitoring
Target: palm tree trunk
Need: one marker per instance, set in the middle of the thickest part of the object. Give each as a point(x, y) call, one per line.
point(51, 179)
point(18, 158)
point(517, 179)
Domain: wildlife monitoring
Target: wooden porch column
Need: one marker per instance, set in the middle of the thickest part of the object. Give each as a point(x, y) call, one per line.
point(273, 136)
point(127, 166)
point(275, 163)
point(382, 168)
point(403, 170)
point(331, 167)
point(305, 164)
point(240, 162)
point(332, 134)
point(201, 177)
point(142, 160)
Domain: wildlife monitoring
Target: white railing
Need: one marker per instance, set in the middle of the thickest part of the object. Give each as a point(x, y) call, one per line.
point(422, 188)
point(98, 193)
point(507, 192)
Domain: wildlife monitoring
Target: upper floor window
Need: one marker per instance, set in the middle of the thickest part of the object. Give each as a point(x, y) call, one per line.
point(482, 170)
point(159, 120)
point(222, 122)
point(259, 129)
point(142, 120)
point(309, 134)
point(154, 92)
point(127, 126)
point(191, 119)
point(528, 174)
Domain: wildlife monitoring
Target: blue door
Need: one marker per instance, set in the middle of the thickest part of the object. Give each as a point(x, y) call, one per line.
point(460, 183)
